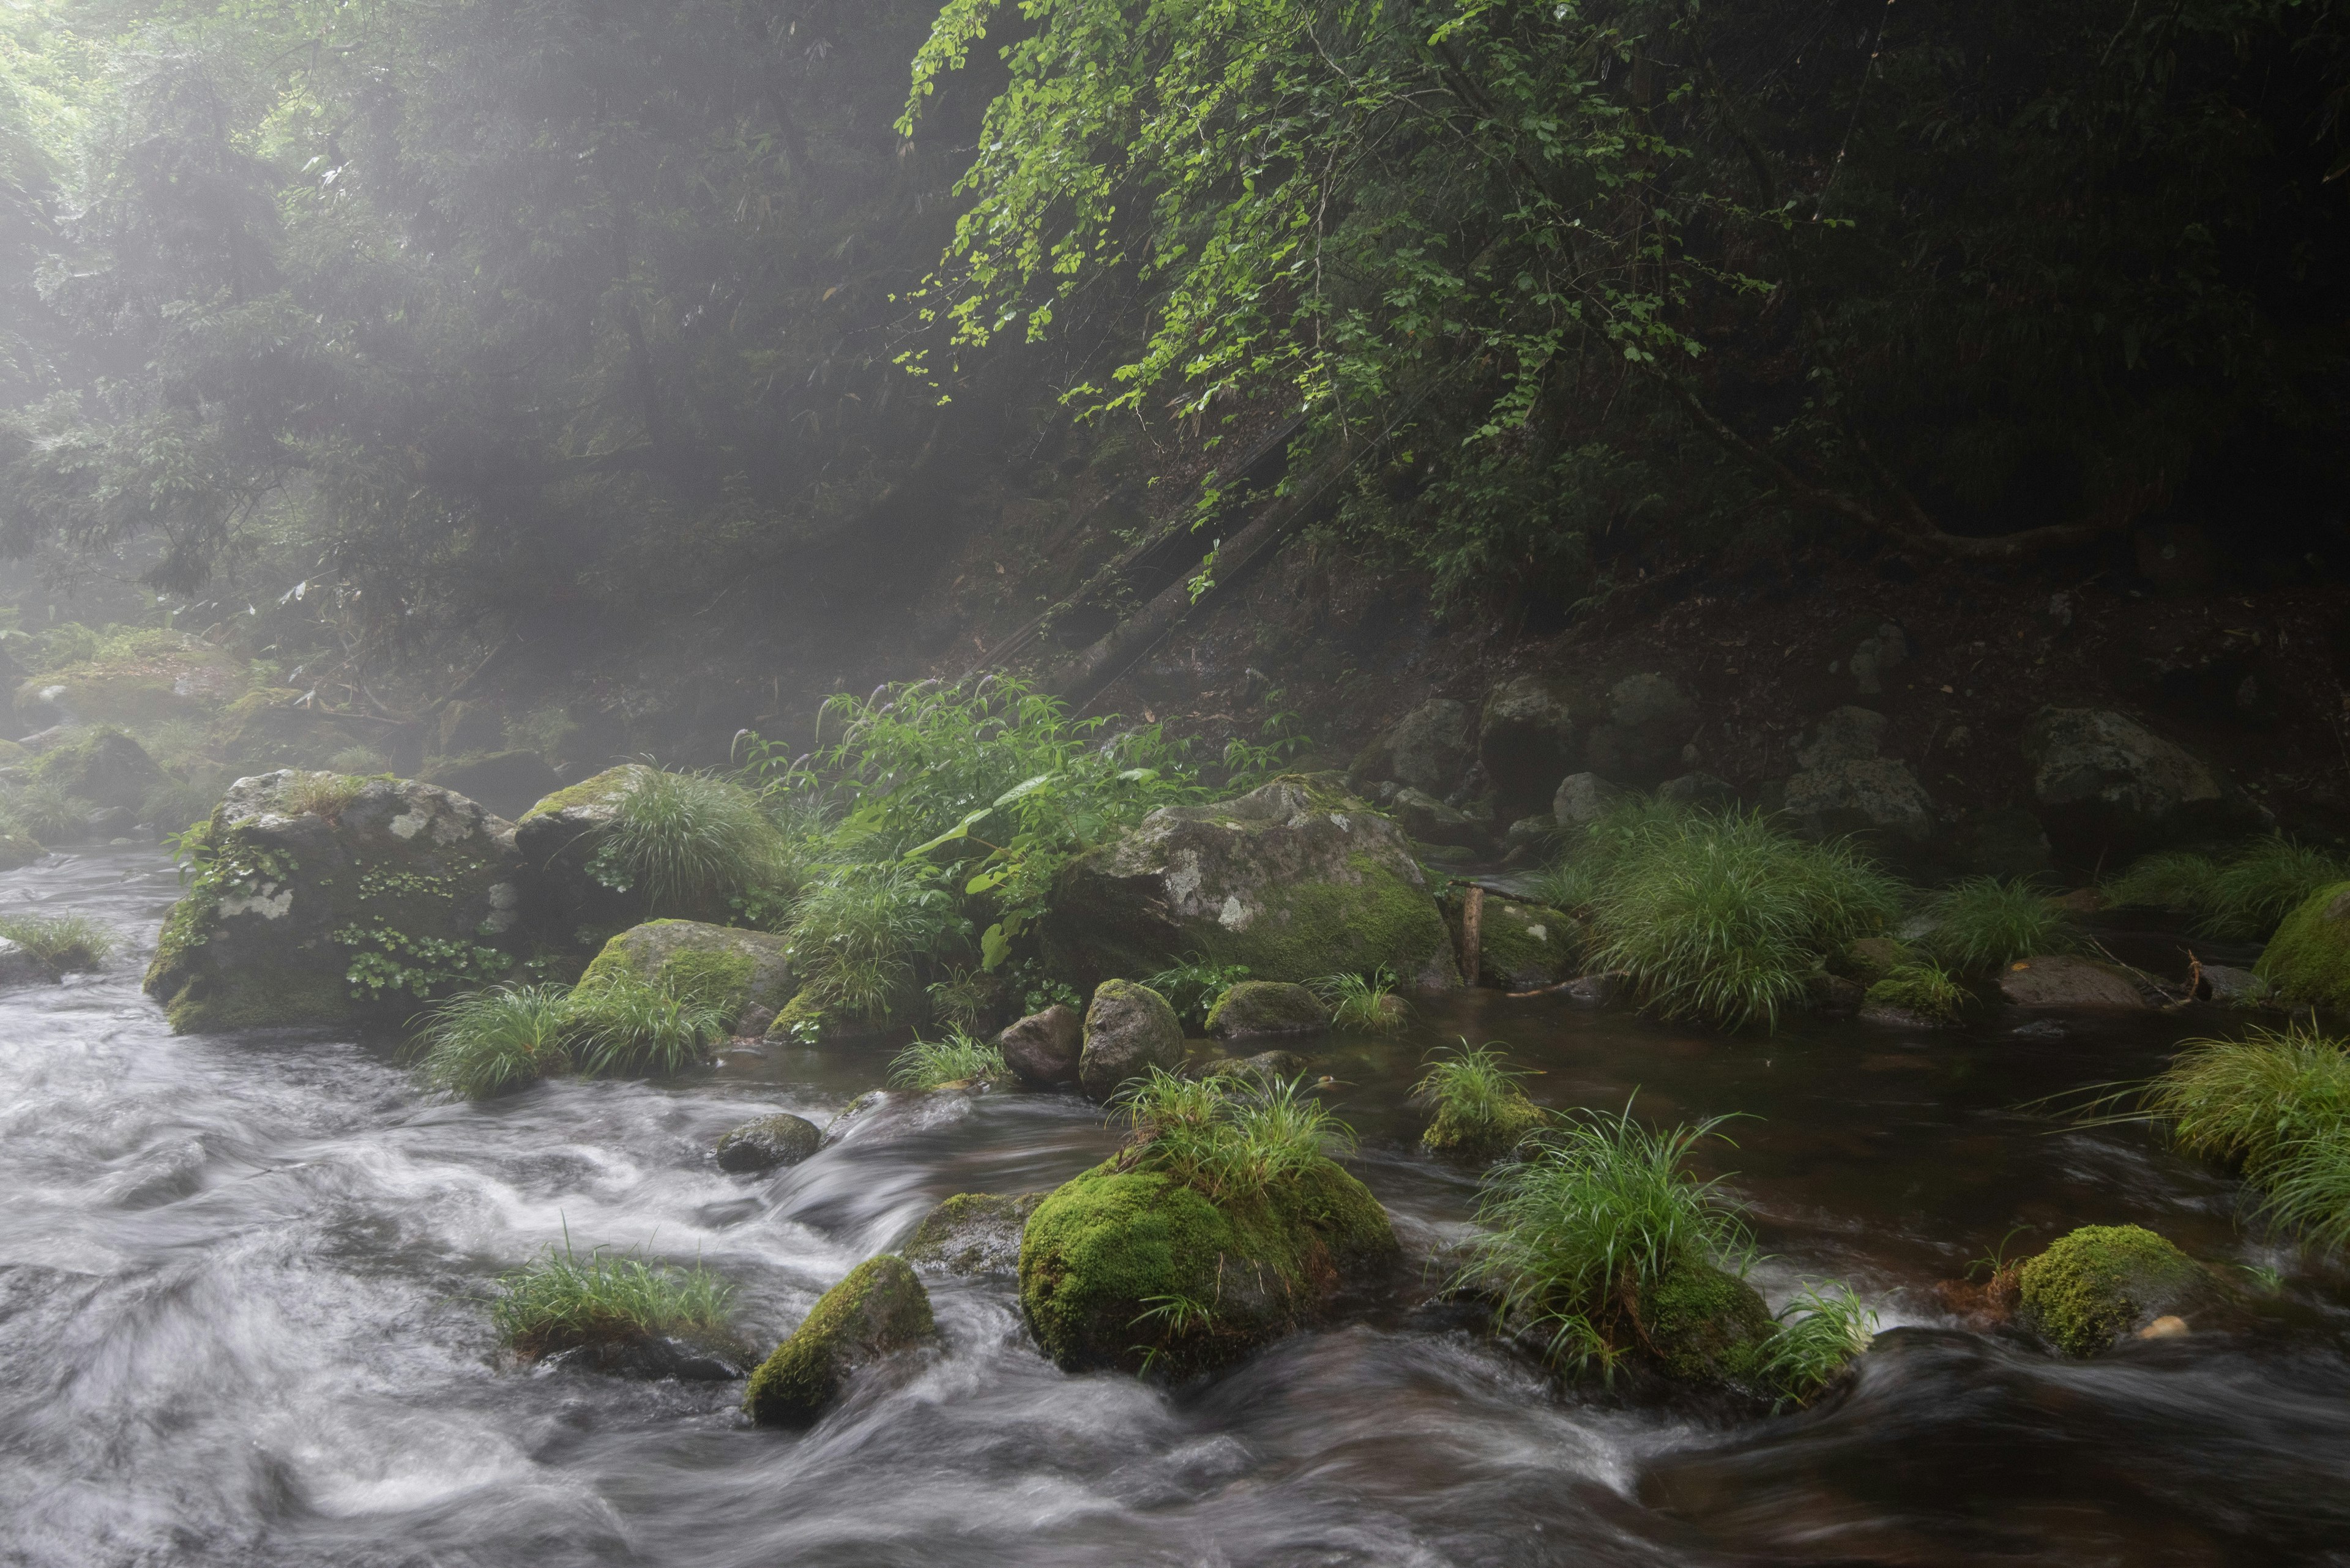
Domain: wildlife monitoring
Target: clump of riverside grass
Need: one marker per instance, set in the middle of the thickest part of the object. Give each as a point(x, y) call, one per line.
point(62, 943)
point(1718, 916)
point(687, 843)
point(858, 934)
point(1984, 923)
point(1596, 1239)
point(490, 1041)
point(1232, 1137)
point(564, 1301)
point(1926, 988)
point(957, 1059)
point(2277, 1103)
point(1482, 1112)
point(45, 813)
point(2241, 898)
point(1364, 1002)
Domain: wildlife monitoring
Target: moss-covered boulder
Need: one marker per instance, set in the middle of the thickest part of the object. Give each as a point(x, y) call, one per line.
point(1702, 1325)
point(165, 675)
point(1294, 880)
point(324, 900)
point(17, 849)
point(2102, 1281)
point(973, 1233)
point(1486, 1132)
point(722, 967)
point(1522, 946)
point(1266, 1007)
point(2107, 785)
point(558, 837)
point(1129, 1029)
point(768, 1143)
point(879, 1310)
point(1131, 1268)
point(101, 766)
point(1044, 1048)
point(508, 782)
point(2307, 962)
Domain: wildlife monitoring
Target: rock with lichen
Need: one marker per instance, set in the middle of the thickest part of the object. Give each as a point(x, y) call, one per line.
point(880, 1310)
point(1129, 1030)
point(734, 972)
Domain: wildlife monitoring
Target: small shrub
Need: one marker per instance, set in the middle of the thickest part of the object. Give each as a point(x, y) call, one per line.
point(686, 843)
point(1927, 990)
point(1367, 1003)
point(2277, 1103)
point(859, 932)
point(1984, 924)
point(625, 1025)
point(45, 813)
point(964, 999)
point(1723, 918)
point(1192, 986)
point(1230, 1137)
point(1480, 1107)
point(63, 943)
point(489, 1042)
point(1820, 1333)
point(318, 794)
point(565, 1300)
point(361, 761)
point(958, 1058)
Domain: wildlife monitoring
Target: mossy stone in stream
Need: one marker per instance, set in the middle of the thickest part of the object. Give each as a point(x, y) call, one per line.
point(769, 1142)
point(2100, 1282)
point(1266, 1007)
point(1133, 1269)
point(1703, 1325)
point(1485, 1139)
point(2308, 960)
point(1524, 945)
point(879, 1309)
point(101, 766)
point(720, 967)
point(974, 1233)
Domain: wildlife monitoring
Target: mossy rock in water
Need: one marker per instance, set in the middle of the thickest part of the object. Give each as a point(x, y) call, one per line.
point(1522, 946)
point(1483, 1140)
point(879, 1309)
point(325, 899)
point(2308, 960)
point(1133, 1269)
point(17, 849)
point(1266, 1007)
point(2101, 1282)
point(1702, 1324)
point(102, 766)
point(974, 1233)
point(767, 1143)
point(1129, 1029)
point(1295, 880)
point(720, 967)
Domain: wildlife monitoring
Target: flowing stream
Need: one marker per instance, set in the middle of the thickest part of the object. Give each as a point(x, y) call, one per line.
point(244, 1321)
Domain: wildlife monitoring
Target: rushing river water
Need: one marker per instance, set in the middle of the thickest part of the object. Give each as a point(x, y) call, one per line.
point(243, 1320)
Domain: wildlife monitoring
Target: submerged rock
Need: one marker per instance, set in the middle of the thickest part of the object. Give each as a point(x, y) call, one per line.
point(1104, 1255)
point(1266, 1007)
point(19, 967)
point(325, 900)
point(973, 1233)
point(1044, 1049)
point(722, 967)
point(879, 1310)
point(2059, 980)
point(2308, 960)
point(2105, 782)
point(1288, 881)
point(650, 1357)
point(2235, 987)
point(1264, 1067)
point(2102, 1281)
point(1129, 1029)
point(768, 1143)
point(1426, 749)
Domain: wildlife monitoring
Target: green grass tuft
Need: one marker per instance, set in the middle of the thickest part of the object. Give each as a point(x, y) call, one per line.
point(1479, 1103)
point(1820, 1333)
point(2240, 898)
point(958, 1058)
point(2178, 881)
point(1927, 990)
point(565, 1300)
point(63, 943)
point(1229, 1137)
point(1367, 1003)
point(45, 813)
point(494, 1041)
point(622, 1024)
point(1982, 924)
point(859, 932)
point(2277, 1103)
point(686, 843)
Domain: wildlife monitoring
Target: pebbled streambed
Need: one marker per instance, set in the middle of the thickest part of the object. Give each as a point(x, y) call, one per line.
point(243, 1320)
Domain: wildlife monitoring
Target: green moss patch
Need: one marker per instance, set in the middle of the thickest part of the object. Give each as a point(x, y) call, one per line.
point(718, 967)
point(881, 1308)
point(2308, 960)
point(2100, 1282)
point(1703, 1325)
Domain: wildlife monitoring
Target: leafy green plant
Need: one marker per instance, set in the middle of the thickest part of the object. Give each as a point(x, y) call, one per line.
point(63, 943)
point(2277, 1103)
point(1721, 917)
point(624, 1023)
point(685, 843)
point(1192, 986)
point(1229, 1137)
point(963, 999)
point(860, 931)
point(564, 1301)
point(1820, 1333)
point(1926, 988)
point(1364, 1002)
point(489, 1042)
point(385, 961)
point(1601, 1210)
point(958, 1058)
point(1479, 1103)
point(1984, 923)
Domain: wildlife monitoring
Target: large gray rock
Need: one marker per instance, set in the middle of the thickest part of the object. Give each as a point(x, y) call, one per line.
point(1426, 749)
point(1129, 1029)
point(736, 972)
point(1583, 799)
point(973, 1233)
point(769, 1142)
point(1526, 737)
point(1293, 882)
point(1846, 787)
point(1043, 1048)
point(2059, 980)
point(1648, 722)
point(327, 900)
point(104, 767)
point(2107, 782)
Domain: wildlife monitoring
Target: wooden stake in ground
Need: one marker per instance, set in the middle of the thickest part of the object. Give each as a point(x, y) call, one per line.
point(1472, 931)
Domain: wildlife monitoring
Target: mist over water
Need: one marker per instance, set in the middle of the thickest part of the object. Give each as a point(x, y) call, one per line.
point(243, 1289)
